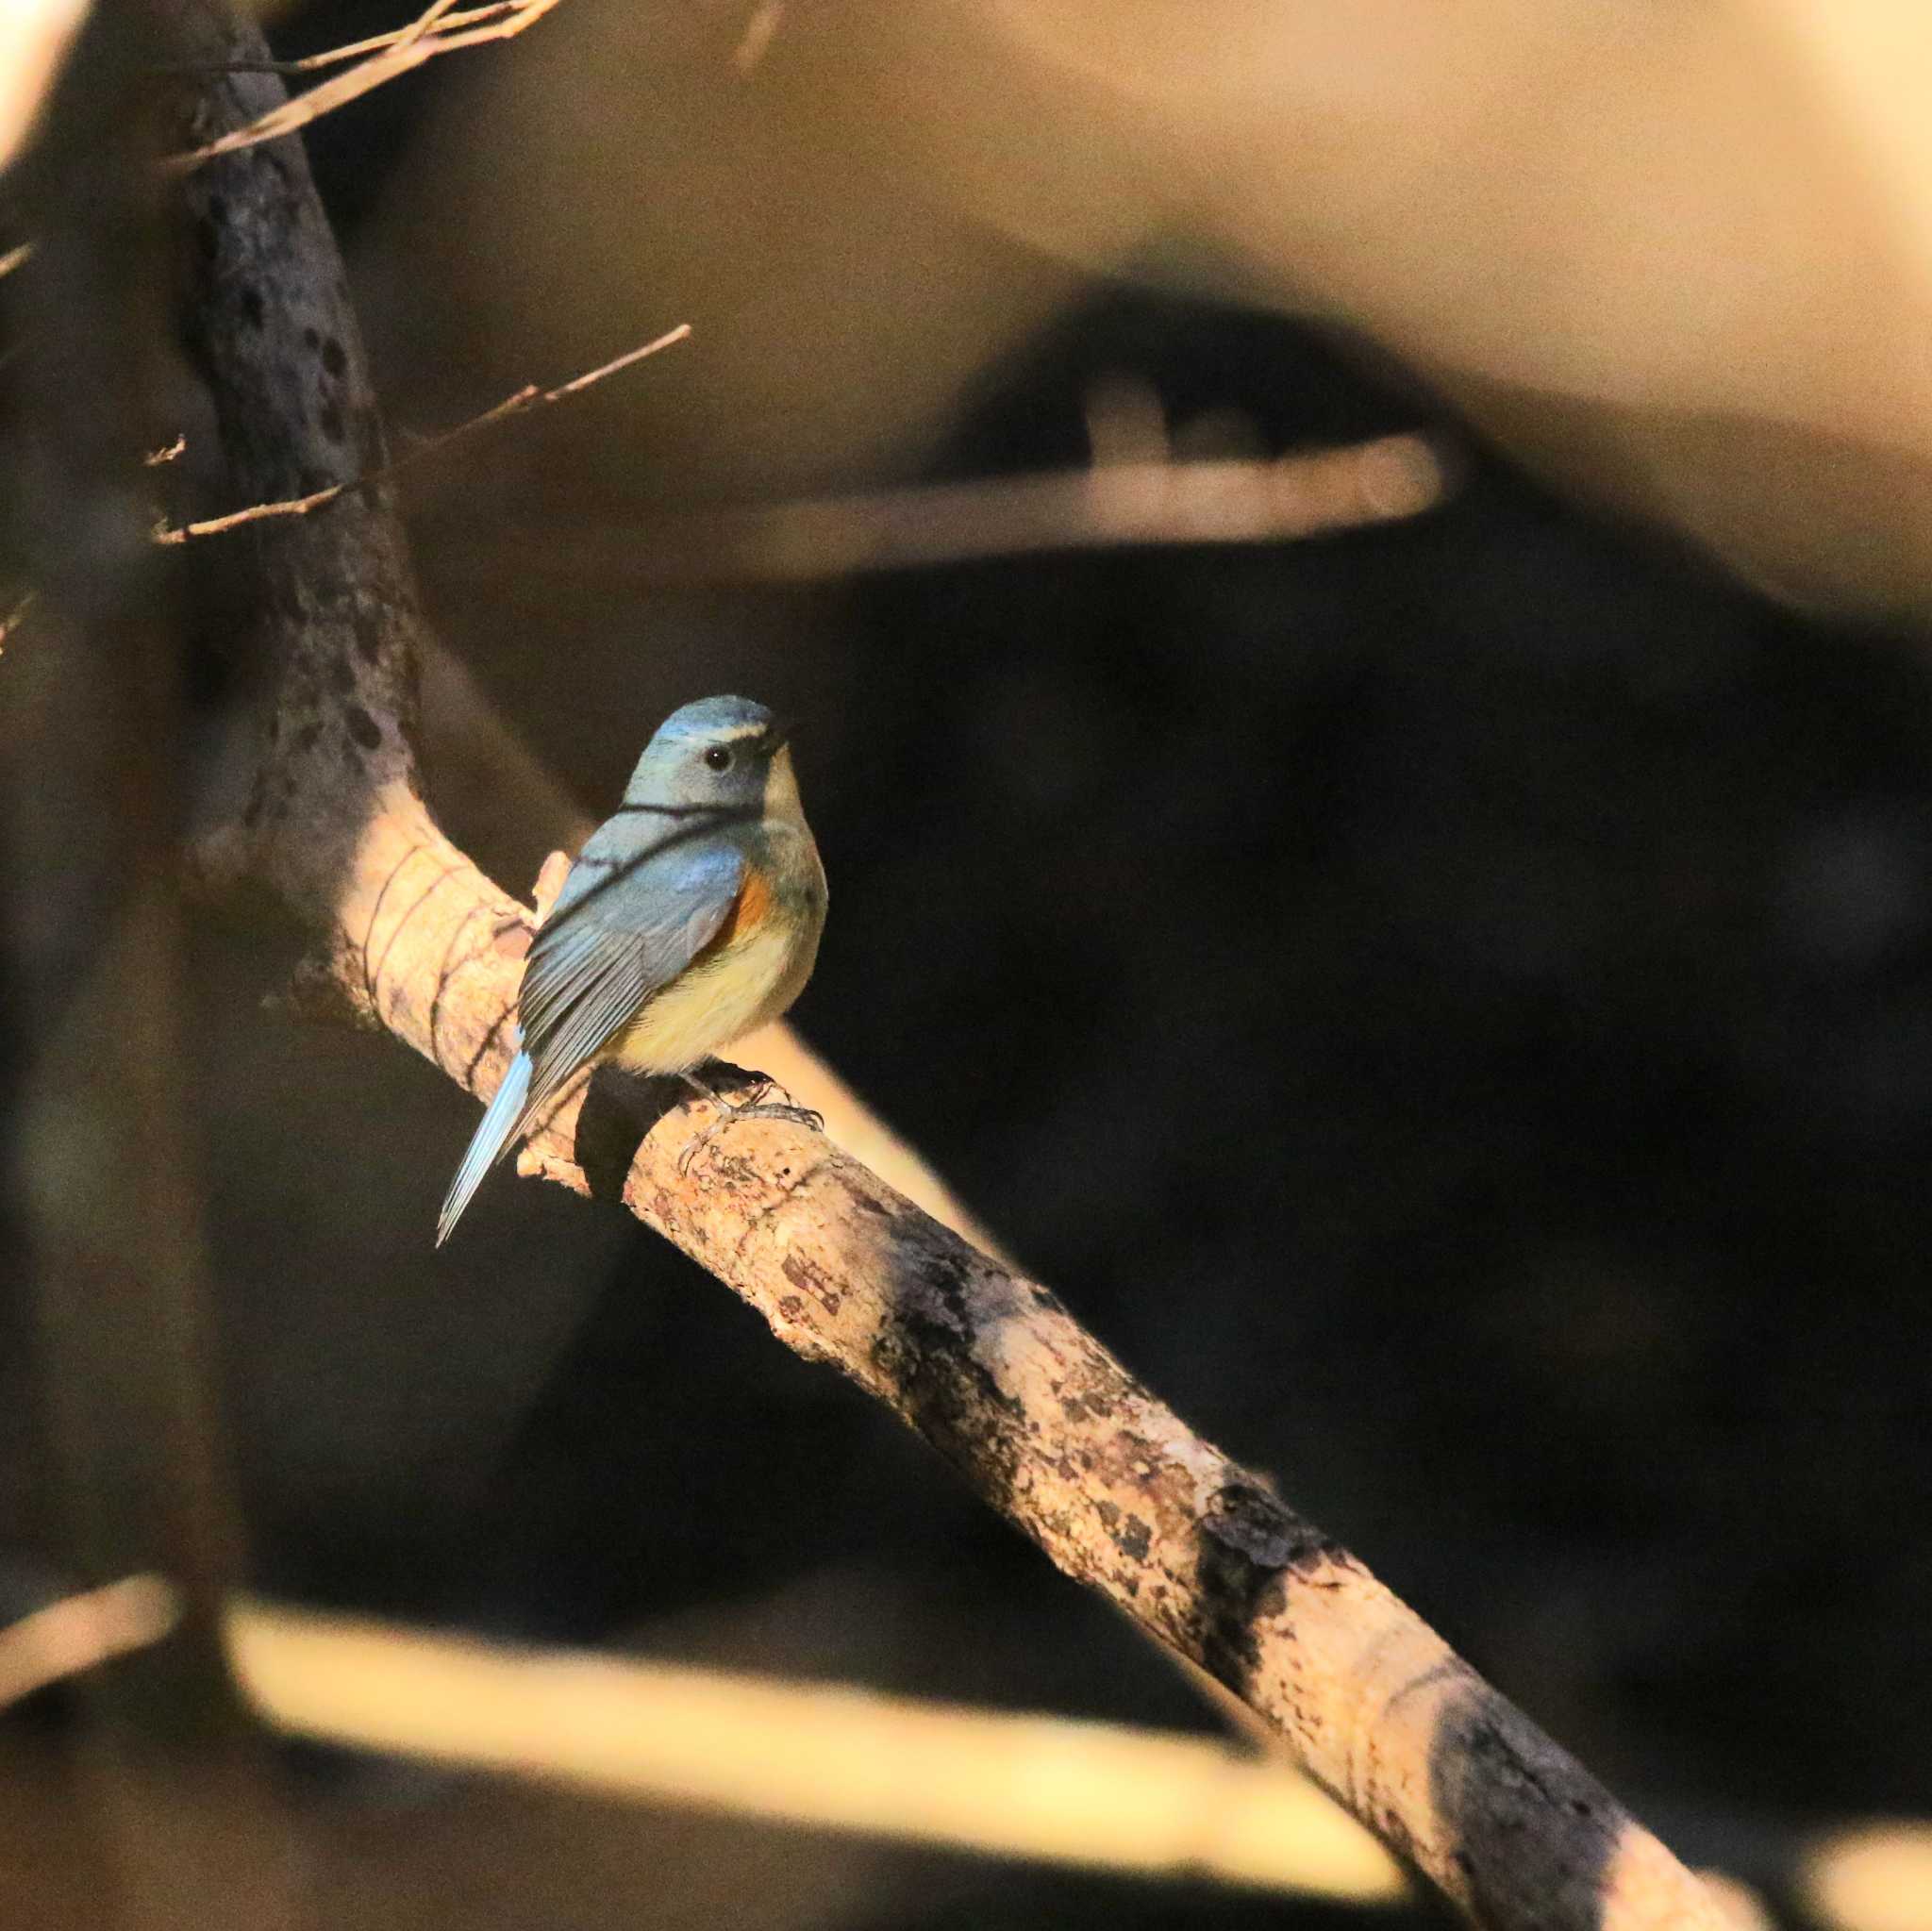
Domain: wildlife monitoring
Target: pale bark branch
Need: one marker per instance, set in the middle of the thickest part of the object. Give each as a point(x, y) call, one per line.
point(989, 1368)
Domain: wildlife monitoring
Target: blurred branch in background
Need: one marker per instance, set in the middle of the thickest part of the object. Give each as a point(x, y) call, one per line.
point(108, 1195)
point(1044, 1423)
point(1676, 258)
point(835, 1756)
point(79, 1632)
point(34, 38)
point(1679, 259)
point(1301, 494)
point(1871, 1877)
point(815, 1754)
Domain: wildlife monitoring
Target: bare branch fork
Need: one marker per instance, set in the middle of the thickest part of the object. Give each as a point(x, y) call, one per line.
point(1032, 1411)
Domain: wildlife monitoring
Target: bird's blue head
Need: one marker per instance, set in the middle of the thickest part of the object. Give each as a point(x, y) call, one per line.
point(722, 752)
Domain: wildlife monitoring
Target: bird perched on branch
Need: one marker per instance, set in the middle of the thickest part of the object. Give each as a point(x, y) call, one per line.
point(692, 916)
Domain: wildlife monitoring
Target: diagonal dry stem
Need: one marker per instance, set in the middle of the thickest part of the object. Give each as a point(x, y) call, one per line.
point(528, 397)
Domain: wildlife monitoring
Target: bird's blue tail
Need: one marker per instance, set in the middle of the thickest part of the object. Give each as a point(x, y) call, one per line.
point(498, 1129)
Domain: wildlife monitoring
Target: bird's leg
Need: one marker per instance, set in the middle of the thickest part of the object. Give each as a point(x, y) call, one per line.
point(756, 1107)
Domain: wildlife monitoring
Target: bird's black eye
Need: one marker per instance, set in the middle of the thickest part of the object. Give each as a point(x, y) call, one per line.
point(717, 758)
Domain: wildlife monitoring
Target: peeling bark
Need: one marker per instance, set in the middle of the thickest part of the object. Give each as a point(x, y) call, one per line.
point(989, 1368)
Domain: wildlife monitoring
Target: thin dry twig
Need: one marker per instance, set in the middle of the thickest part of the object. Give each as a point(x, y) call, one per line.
point(422, 24)
point(16, 258)
point(824, 1754)
point(354, 50)
point(436, 32)
point(528, 397)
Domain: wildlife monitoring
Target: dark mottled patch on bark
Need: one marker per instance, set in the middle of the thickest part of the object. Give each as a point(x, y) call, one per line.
point(368, 635)
point(1249, 1543)
point(1091, 1391)
point(312, 338)
point(1129, 1533)
point(341, 680)
point(802, 1271)
point(333, 358)
point(253, 309)
point(1533, 1832)
point(306, 737)
point(928, 1370)
point(946, 1276)
point(790, 1307)
point(331, 421)
point(363, 727)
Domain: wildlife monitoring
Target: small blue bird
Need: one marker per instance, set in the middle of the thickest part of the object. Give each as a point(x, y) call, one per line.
point(692, 916)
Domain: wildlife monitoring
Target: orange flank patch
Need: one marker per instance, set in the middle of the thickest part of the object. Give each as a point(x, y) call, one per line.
point(753, 907)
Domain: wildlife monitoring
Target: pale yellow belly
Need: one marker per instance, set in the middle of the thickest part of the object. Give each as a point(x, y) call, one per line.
point(719, 1000)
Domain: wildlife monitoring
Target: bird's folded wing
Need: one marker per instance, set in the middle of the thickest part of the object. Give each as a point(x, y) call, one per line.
point(636, 922)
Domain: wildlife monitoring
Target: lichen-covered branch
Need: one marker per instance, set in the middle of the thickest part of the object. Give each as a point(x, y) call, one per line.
point(989, 1367)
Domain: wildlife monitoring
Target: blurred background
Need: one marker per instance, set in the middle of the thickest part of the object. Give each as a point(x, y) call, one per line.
point(1450, 1003)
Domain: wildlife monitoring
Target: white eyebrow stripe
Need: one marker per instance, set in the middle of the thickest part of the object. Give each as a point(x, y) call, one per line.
point(735, 733)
